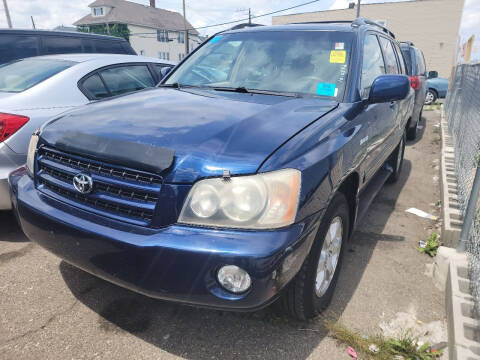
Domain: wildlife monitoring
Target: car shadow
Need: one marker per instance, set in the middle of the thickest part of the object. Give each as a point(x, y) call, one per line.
point(196, 333)
point(420, 131)
point(10, 229)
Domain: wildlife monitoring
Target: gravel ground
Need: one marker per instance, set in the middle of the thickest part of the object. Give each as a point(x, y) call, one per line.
point(51, 310)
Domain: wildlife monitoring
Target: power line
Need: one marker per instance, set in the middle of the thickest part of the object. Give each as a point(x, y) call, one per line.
point(235, 21)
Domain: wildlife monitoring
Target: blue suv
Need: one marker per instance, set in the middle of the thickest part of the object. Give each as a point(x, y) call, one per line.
point(236, 182)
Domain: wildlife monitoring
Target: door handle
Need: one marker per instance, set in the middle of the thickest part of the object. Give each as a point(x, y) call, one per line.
point(392, 104)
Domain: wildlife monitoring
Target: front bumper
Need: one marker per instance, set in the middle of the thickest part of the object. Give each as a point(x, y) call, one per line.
point(176, 263)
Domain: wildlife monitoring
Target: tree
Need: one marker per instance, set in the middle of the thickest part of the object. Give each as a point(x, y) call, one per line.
point(118, 30)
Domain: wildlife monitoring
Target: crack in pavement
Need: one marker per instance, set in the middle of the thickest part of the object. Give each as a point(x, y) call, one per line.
point(46, 323)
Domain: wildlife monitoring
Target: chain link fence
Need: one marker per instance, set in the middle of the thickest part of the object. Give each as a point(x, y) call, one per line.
point(462, 111)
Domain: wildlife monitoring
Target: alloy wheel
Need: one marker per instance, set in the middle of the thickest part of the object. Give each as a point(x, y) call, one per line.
point(328, 261)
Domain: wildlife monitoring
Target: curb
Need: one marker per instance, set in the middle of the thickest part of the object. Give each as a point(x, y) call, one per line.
point(451, 213)
point(463, 327)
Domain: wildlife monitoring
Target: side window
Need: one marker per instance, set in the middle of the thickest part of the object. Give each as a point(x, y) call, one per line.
point(420, 63)
point(124, 79)
point(391, 65)
point(61, 45)
point(13, 47)
point(88, 46)
point(109, 47)
point(94, 85)
point(373, 65)
point(401, 60)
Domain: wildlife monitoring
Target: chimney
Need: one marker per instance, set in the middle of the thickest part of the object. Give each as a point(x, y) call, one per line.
point(152, 3)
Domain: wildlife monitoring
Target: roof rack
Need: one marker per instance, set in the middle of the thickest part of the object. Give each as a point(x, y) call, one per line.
point(363, 21)
point(356, 22)
point(407, 42)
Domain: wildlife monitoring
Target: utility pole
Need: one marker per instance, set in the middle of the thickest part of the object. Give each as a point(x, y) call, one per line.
point(33, 22)
point(7, 14)
point(358, 9)
point(249, 17)
point(185, 38)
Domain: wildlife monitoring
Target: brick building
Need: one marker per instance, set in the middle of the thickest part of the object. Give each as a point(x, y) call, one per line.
point(432, 25)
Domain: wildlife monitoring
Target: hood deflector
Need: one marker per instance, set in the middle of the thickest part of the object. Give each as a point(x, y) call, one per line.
point(135, 155)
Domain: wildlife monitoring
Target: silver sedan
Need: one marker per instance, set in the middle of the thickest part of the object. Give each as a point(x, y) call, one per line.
point(34, 90)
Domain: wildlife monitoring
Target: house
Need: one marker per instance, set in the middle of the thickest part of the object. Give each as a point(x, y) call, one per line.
point(432, 25)
point(152, 31)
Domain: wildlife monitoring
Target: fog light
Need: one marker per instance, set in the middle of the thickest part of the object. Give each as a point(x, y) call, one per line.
point(234, 279)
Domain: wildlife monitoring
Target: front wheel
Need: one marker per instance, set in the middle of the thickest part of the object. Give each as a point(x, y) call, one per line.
point(312, 289)
point(431, 97)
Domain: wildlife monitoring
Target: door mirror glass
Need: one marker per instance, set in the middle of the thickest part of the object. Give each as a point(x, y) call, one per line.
point(432, 74)
point(388, 88)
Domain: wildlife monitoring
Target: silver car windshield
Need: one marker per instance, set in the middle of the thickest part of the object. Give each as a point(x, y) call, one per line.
point(299, 62)
point(23, 74)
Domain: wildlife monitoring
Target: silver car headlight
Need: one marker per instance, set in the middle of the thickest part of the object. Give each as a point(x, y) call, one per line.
point(32, 148)
point(261, 201)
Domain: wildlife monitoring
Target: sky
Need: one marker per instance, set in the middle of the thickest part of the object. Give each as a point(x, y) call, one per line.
point(48, 14)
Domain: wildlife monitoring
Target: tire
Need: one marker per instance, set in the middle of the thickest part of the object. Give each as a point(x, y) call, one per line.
point(304, 298)
point(431, 97)
point(412, 131)
point(396, 159)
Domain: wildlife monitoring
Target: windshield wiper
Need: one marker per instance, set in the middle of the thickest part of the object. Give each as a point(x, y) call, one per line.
point(244, 90)
point(174, 85)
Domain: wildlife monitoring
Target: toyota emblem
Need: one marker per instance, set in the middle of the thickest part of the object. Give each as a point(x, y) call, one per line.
point(83, 183)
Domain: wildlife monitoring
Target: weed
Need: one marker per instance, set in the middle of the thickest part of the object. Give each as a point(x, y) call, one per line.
point(436, 141)
point(438, 203)
point(388, 348)
point(428, 108)
point(432, 245)
point(436, 130)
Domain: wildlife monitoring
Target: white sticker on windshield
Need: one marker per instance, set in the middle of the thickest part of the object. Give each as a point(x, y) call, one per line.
point(339, 46)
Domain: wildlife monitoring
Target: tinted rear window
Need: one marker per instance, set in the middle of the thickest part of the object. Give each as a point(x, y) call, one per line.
point(14, 47)
point(109, 47)
point(23, 74)
point(61, 45)
point(408, 60)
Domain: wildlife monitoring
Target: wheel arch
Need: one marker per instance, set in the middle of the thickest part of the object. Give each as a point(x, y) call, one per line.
point(349, 188)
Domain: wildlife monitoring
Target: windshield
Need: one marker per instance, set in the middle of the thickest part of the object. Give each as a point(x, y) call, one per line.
point(299, 62)
point(23, 74)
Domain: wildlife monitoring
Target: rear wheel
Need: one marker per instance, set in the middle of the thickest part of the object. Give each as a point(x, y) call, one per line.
point(396, 160)
point(431, 97)
point(312, 289)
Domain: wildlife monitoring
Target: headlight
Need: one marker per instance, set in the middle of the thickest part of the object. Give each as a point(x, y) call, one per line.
point(262, 201)
point(32, 148)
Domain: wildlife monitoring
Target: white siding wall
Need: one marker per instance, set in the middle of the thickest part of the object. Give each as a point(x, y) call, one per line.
point(152, 47)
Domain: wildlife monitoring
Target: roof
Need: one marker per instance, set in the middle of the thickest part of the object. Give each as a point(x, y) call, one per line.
point(60, 33)
point(127, 12)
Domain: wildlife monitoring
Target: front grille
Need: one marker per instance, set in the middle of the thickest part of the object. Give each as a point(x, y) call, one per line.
point(125, 194)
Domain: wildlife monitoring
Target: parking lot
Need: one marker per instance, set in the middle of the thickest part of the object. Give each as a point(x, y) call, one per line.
point(51, 310)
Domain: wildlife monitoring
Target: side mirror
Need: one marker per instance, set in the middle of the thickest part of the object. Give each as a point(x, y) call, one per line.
point(432, 74)
point(164, 71)
point(388, 88)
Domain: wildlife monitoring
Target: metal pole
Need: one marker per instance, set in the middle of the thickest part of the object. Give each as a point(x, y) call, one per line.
point(185, 38)
point(358, 9)
point(249, 17)
point(470, 212)
point(7, 14)
point(33, 22)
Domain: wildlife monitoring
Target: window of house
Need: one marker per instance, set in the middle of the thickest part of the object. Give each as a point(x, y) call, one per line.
point(181, 57)
point(98, 11)
point(162, 35)
point(164, 55)
point(373, 65)
point(181, 37)
point(142, 52)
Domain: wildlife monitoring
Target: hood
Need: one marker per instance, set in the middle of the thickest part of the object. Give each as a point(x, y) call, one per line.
point(205, 132)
